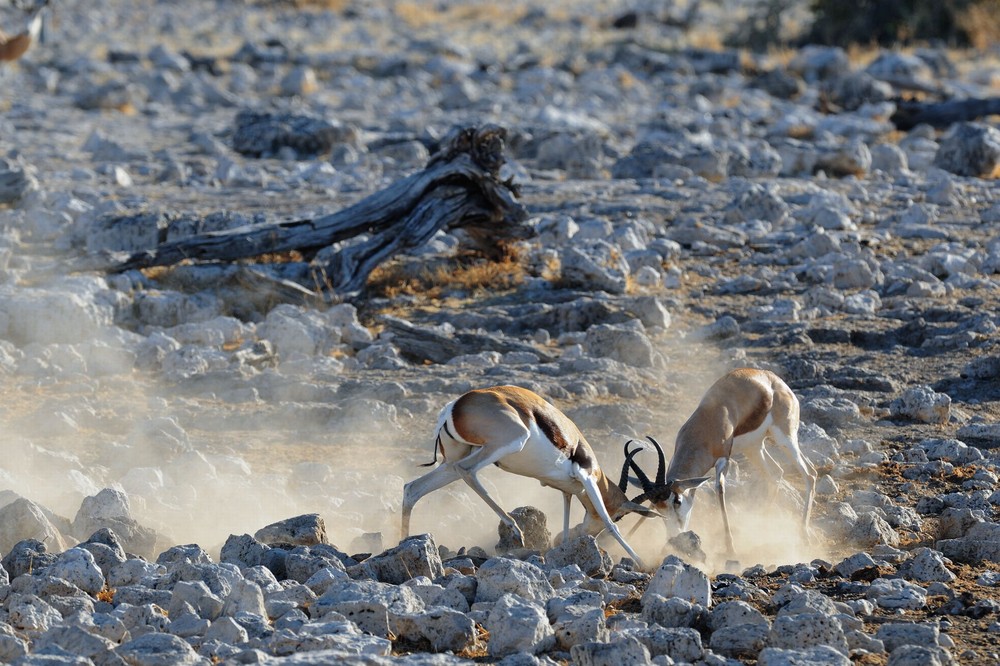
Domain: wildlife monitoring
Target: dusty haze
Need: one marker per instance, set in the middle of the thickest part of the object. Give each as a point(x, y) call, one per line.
point(198, 468)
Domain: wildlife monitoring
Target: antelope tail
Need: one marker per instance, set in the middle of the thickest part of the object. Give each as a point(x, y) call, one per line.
point(437, 446)
point(442, 426)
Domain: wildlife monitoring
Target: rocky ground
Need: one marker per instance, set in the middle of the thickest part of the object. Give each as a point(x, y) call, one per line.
point(200, 468)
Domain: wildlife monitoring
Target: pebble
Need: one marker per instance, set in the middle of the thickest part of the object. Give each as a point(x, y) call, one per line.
point(649, 177)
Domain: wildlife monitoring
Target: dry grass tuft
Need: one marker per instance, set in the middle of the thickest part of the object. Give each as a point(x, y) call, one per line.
point(287, 257)
point(478, 648)
point(709, 39)
point(476, 277)
point(631, 604)
point(328, 5)
point(421, 14)
point(981, 24)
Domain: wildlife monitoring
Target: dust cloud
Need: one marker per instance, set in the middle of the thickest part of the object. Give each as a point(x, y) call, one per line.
point(229, 457)
point(764, 533)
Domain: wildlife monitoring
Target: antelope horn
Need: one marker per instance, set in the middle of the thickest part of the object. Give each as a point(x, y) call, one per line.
point(647, 485)
point(643, 511)
point(661, 469)
point(623, 482)
point(638, 499)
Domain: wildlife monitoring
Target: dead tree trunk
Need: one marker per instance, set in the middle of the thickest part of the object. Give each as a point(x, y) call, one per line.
point(909, 114)
point(459, 188)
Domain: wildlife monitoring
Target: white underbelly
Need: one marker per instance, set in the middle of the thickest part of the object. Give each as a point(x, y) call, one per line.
point(751, 441)
point(540, 459)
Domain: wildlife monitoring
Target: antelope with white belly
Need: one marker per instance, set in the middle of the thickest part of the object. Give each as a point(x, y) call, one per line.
point(736, 414)
point(521, 433)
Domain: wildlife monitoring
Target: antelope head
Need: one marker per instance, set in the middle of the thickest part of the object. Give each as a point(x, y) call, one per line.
point(672, 498)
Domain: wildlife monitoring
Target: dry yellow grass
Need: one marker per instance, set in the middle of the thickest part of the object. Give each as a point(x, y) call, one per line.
point(422, 14)
point(331, 5)
point(480, 276)
point(709, 39)
point(981, 22)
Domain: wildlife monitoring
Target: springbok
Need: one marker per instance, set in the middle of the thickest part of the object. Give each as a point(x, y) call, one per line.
point(16, 45)
point(737, 412)
point(521, 433)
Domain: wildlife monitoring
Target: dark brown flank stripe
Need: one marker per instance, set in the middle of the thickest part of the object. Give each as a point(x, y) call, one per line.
point(551, 430)
point(583, 456)
point(522, 413)
point(447, 431)
point(753, 421)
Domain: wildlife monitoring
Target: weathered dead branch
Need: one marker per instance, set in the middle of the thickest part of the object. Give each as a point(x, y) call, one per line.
point(459, 188)
point(909, 114)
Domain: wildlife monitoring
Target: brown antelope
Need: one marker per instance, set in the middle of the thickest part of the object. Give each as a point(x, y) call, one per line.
point(735, 415)
point(521, 433)
point(14, 46)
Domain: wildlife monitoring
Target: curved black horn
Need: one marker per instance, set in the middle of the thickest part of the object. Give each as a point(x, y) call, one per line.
point(647, 485)
point(640, 498)
point(623, 482)
point(661, 470)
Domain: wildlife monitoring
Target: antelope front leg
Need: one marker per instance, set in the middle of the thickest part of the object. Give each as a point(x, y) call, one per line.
point(470, 466)
point(791, 445)
point(721, 465)
point(437, 478)
point(590, 486)
point(566, 502)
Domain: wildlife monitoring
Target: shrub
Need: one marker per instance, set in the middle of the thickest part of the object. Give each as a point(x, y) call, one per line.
point(954, 22)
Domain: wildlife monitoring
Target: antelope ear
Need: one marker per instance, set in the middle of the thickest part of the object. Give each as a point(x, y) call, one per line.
point(643, 511)
point(682, 485)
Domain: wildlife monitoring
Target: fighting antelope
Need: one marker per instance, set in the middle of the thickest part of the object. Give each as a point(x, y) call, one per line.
point(521, 433)
point(735, 415)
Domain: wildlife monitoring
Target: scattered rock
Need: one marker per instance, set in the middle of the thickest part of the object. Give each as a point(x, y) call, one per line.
point(695, 210)
point(970, 149)
point(534, 531)
point(305, 530)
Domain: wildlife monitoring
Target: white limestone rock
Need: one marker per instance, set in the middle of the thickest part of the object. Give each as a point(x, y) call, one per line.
point(624, 343)
point(516, 625)
point(597, 266)
point(925, 565)
point(580, 624)
point(897, 593)
point(676, 578)
point(49, 316)
point(414, 556)
point(896, 634)
point(78, 567)
point(811, 656)
point(799, 631)
point(154, 649)
point(23, 519)
point(445, 629)
point(970, 149)
point(501, 575)
point(584, 552)
point(923, 404)
point(627, 651)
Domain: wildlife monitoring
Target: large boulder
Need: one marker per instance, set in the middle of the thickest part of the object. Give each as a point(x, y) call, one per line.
point(414, 556)
point(970, 149)
point(305, 530)
point(23, 519)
